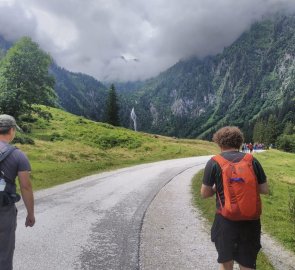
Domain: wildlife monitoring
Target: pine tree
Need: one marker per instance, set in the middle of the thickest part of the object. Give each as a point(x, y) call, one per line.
point(24, 79)
point(271, 130)
point(289, 128)
point(259, 131)
point(113, 107)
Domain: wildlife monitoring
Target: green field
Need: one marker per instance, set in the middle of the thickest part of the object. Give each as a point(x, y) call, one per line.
point(68, 147)
point(278, 218)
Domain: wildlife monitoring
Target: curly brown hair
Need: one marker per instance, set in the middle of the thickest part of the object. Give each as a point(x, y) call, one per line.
point(229, 137)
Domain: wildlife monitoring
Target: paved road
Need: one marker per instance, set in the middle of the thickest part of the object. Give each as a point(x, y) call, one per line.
point(95, 222)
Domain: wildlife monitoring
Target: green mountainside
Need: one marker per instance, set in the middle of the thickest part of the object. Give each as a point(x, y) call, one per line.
point(251, 79)
point(80, 94)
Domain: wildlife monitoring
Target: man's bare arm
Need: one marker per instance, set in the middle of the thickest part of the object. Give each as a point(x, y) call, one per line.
point(263, 188)
point(27, 195)
point(207, 191)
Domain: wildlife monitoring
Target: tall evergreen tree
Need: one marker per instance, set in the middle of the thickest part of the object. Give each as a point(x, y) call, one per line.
point(113, 107)
point(271, 130)
point(289, 128)
point(24, 79)
point(259, 131)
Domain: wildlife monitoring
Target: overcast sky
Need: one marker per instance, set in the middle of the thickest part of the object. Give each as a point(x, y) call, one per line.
point(91, 36)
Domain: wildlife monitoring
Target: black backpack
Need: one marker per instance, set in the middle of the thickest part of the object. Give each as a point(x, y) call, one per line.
point(5, 197)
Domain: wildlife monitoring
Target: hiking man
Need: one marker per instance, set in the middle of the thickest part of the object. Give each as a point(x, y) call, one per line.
point(14, 163)
point(250, 146)
point(237, 179)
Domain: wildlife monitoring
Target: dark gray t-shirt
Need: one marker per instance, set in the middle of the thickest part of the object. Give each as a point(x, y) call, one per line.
point(16, 162)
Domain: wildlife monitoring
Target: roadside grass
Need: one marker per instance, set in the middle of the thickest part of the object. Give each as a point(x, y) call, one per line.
point(278, 218)
point(68, 147)
point(208, 209)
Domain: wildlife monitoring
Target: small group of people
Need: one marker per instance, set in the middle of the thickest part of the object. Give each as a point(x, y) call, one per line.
point(236, 233)
point(249, 147)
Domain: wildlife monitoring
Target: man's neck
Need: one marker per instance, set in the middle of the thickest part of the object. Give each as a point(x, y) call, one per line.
point(4, 139)
point(229, 150)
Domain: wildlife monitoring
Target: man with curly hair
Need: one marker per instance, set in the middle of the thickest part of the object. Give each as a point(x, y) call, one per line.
point(235, 239)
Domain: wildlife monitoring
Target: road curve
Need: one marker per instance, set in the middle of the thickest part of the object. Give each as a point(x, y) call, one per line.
point(94, 222)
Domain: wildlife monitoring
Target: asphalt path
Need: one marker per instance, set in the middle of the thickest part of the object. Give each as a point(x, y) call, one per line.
point(94, 222)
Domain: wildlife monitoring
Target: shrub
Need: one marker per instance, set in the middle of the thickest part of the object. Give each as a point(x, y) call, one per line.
point(23, 139)
point(26, 127)
point(56, 137)
point(286, 143)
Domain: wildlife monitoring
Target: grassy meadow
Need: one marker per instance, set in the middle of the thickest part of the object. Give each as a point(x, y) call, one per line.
point(68, 147)
point(278, 217)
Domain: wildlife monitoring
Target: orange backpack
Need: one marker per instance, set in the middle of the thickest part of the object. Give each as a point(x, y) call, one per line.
point(240, 186)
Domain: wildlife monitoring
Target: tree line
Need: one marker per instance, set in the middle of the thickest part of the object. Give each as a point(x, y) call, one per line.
point(277, 127)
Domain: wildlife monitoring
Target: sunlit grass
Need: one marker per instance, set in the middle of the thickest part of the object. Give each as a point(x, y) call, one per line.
point(277, 218)
point(68, 147)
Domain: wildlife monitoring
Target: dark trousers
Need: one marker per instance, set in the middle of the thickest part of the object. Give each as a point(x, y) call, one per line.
point(7, 236)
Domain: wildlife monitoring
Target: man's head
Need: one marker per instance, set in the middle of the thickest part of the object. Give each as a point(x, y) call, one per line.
point(7, 127)
point(229, 137)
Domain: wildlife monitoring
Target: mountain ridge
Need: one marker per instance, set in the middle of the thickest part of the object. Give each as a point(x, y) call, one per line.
point(252, 76)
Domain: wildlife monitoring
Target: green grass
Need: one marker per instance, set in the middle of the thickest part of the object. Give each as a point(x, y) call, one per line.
point(208, 209)
point(68, 147)
point(277, 217)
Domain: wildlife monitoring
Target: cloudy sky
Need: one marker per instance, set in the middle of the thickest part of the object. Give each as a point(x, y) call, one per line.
point(131, 39)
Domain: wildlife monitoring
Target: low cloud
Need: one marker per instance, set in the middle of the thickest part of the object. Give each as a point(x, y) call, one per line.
point(91, 36)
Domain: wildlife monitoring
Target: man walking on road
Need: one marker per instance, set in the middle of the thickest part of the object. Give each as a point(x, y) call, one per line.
point(14, 163)
point(237, 179)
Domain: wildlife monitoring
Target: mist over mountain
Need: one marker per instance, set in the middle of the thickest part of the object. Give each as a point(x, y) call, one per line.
point(91, 36)
point(250, 79)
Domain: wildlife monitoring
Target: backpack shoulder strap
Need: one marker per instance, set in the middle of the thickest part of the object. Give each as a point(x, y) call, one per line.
point(6, 151)
point(248, 157)
point(220, 160)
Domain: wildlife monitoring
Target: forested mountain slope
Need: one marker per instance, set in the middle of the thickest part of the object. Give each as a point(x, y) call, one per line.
point(80, 94)
point(251, 79)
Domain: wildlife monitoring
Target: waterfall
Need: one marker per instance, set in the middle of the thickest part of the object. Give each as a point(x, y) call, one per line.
point(133, 117)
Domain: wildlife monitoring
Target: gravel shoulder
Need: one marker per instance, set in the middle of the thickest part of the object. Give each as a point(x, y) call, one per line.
point(174, 234)
point(280, 258)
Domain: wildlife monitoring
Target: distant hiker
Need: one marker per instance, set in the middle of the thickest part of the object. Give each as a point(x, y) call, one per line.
point(250, 147)
point(13, 163)
point(237, 179)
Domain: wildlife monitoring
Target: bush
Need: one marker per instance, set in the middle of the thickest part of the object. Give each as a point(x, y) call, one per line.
point(26, 127)
point(120, 140)
point(56, 137)
point(23, 139)
point(286, 143)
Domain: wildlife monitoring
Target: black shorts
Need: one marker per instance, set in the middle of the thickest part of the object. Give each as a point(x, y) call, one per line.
point(236, 240)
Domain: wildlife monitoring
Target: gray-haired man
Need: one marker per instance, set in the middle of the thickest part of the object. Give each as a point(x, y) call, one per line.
point(15, 164)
